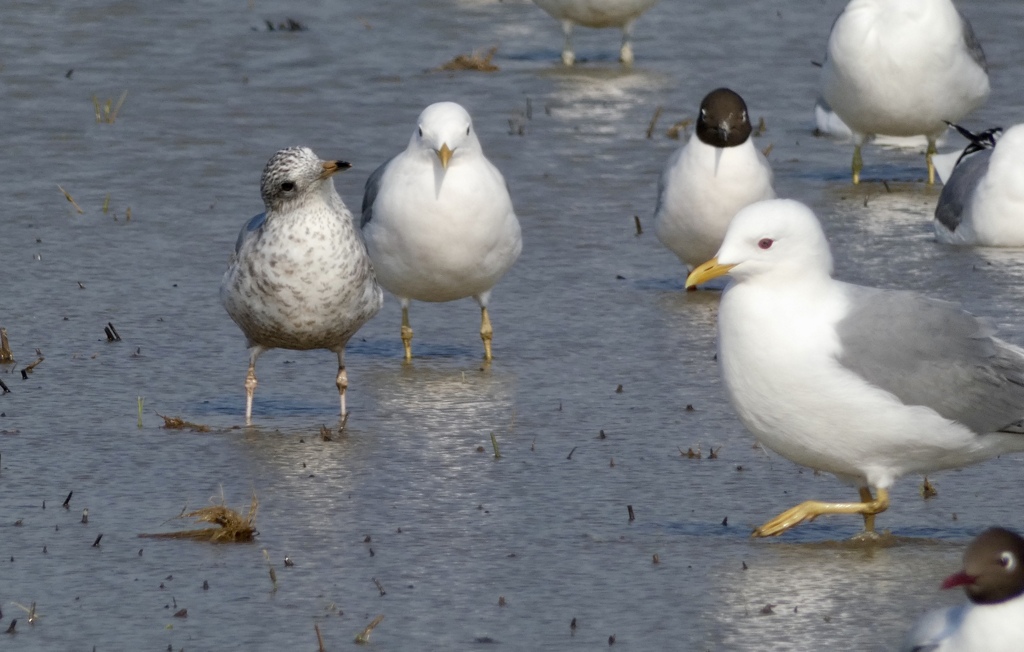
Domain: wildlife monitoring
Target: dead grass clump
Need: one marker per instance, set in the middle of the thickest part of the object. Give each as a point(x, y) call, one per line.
point(478, 60)
point(232, 526)
point(177, 423)
point(106, 112)
point(6, 357)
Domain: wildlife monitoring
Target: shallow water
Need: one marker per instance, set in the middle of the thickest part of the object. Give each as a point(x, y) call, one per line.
point(589, 306)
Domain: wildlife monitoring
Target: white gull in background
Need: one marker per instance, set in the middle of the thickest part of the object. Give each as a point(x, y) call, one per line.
point(863, 383)
point(438, 219)
point(300, 277)
point(993, 620)
point(705, 182)
point(982, 202)
point(902, 68)
point(597, 14)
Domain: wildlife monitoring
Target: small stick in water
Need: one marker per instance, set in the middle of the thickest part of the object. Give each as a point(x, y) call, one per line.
point(364, 636)
point(67, 196)
point(654, 121)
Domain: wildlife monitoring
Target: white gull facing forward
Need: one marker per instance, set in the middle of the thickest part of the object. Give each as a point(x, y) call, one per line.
point(902, 68)
point(438, 219)
point(864, 383)
point(598, 14)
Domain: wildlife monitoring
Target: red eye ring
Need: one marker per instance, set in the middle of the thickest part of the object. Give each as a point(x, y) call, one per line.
point(765, 243)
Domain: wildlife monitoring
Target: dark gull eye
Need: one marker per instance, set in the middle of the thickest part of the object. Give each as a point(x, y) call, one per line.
point(467, 131)
point(1008, 561)
point(288, 186)
point(421, 132)
point(765, 243)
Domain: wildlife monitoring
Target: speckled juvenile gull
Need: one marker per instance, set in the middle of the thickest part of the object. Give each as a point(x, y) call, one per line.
point(902, 68)
point(438, 219)
point(598, 14)
point(993, 620)
point(982, 203)
point(705, 182)
point(864, 383)
point(300, 277)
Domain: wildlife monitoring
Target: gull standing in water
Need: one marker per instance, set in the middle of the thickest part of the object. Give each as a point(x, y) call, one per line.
point(902, 68)
point(300, 277)
point(438, 219)
point(598, 14)
point(718, 172)
point(863, 383)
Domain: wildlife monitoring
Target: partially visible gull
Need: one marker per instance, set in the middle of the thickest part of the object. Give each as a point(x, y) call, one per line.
point(438, 219)
point(982, 203)
point(705, 182)
point(866, 384)
point(902, 68)
point(300, 277)
point(993, 620)
point(597, 14)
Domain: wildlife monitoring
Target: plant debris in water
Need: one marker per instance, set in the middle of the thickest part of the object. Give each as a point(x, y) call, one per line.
point(478, 60)
point(232, 527)
point(177, 423)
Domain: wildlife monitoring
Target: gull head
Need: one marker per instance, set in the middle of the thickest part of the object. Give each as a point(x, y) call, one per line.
point(993, 567)
point(779, 239)
point(446, 131)
point(723, 119)
point(291, 175)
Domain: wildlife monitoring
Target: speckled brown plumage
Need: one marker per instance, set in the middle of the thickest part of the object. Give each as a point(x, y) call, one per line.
point(300, 277)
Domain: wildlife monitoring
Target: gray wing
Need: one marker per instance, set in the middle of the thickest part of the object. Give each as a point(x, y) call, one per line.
point(933, 353)
point(370, 193)
point(251, 227)
point(957, 191)
point(971, 41)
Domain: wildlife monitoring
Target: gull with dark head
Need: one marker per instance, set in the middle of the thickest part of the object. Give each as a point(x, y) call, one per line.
point(438, 219)
point(902, 68)
point(598, 14)
point(300, 277)
point(864, 383)
point(705, 182)
point(982, 203)
point(993, 620)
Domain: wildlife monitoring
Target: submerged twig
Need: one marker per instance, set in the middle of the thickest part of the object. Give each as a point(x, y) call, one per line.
point(68, 197)
point(364, 636)
point(654, 121)
point(232, 526)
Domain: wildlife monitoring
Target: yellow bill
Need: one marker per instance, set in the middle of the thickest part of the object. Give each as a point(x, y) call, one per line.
point(445, 154)
point(707, 271)
point(330, 167)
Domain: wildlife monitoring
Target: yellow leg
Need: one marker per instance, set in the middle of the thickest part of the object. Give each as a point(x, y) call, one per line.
point(932, 151)
point(250, 389)
point(858, 164)
point(869, 519)
point(406, 333)
point(812, 509)
point(486, 332)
